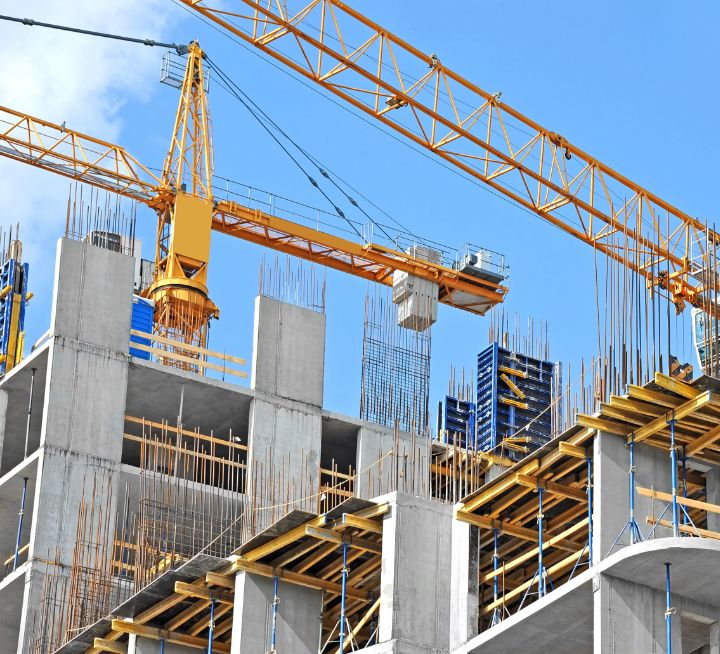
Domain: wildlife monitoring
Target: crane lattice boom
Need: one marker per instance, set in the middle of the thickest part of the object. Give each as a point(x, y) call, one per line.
point(416, 95)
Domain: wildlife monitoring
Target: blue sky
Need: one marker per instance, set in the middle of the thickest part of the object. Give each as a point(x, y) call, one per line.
point(630, 83)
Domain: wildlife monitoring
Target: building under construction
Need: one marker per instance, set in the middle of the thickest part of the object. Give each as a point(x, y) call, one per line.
point(159, 496)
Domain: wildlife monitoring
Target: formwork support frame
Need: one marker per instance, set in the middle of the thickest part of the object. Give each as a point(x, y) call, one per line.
point(631, 525)
point(21, 515)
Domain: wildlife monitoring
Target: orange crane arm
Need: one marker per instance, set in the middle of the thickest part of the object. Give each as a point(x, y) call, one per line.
point(81, 157)
point(416, 95)
point(63, 151)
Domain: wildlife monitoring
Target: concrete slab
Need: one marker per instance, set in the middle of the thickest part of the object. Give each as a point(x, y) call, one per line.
point(694, 573)
point(561, 622)
point(154, 393)
point(285, 524)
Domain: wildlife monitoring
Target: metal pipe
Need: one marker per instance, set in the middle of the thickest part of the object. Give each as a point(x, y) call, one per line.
point(673, 476)
point(590, 510)
point(541, 578)
point(343, 597)
point(29, 412)
point(684, 482)
point(212, 626)
point(275, 604)
point(631, 447)
point(496, 583)
point(20, 524)
point(668, 610)
point(162, 646)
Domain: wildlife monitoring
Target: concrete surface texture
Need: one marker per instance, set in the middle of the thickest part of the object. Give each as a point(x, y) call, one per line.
point(288, 351)
point(417, 537)
point(83, 411)
point(299, 616)
point(429, 589)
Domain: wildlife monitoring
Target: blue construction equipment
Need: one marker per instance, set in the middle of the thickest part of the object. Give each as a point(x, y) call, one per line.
point(13, 301)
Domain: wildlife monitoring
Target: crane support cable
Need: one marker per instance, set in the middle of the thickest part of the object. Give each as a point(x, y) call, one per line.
point(30, 22)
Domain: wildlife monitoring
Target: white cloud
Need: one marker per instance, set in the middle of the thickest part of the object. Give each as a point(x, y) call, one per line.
point(82, 80)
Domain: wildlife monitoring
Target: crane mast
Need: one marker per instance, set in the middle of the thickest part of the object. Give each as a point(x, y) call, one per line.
point(187, 212)
point(179, 290)
point(413, 93)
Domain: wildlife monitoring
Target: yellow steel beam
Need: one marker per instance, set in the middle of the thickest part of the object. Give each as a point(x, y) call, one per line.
point(552, 487)
point(199, 592)
point(685, 529)
point(511, 402)
point(513, 386)
point(572, 450)
point(537, 168)
point(676, 386)
point(309, 581)
point(685, 501)
point(283, 540)
point(105, 645)
point(701, 442)
point(698, 401)
point(174, 637)
point(346, 539)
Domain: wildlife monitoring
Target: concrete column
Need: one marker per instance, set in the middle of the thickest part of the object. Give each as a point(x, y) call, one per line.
point(379, 472)
point(84, 405)
point(712, 488)
point(464, 583)
point(288, 351)
point(415, 577)
point(714, 638)
point(298, 623)
point(631, 618)
point(611, 490)
point(3, 418)
point(283, 450)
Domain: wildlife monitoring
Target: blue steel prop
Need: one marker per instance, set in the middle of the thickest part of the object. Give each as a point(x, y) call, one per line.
point(631, 525)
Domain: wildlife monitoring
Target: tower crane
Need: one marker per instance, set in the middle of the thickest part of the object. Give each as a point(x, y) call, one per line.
point(432, 106)
point(187, 210)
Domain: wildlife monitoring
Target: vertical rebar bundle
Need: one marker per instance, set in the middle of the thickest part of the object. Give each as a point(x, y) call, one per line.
point(293, 282)
point(395, 369)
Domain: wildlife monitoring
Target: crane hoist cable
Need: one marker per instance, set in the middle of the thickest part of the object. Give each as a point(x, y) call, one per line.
point(30, 22)
point(272, 128)
point(313, 182)
point(374, 124)
point(322, 168)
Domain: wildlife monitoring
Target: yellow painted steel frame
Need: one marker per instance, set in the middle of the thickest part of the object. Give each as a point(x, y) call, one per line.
point(416, 95)
point(56, 149)
point(179, 289)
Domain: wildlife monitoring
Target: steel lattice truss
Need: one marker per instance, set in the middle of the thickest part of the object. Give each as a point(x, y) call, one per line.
point(416, 95)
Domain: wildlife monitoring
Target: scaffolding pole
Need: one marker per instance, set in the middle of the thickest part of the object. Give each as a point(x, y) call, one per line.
point(343, 598)
point(29, 411)
point(275, 605)
point(541, 567)
point(211, 626)
point(21, 515)
point(631, 525)
point(497, 614)
point(673, 476)
point(668, 610)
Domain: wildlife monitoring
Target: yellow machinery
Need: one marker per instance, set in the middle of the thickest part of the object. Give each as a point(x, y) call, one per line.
point(187, 213)
point(415, 94)
point(437, 109)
